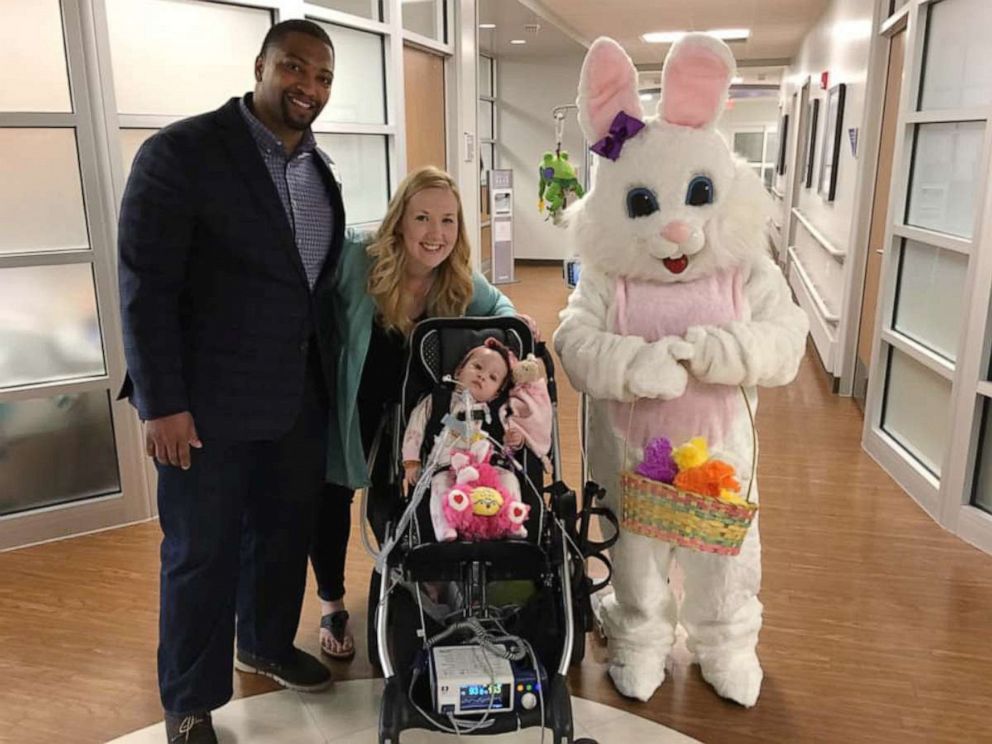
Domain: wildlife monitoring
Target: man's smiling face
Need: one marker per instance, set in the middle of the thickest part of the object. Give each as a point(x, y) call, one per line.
point(293, 80)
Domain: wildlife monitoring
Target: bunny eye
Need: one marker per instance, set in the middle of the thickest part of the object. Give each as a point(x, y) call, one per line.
point(641, 202)
point(700, 192)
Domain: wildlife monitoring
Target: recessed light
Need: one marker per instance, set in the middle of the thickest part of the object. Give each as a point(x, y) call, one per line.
point(670, 37)
point(518, 41)
point(646, 96)
point(487, 25)
point(736, 80)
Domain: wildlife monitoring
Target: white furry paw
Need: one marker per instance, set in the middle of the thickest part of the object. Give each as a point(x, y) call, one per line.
point(637, 676)
point(656, 371)
point(736, 677)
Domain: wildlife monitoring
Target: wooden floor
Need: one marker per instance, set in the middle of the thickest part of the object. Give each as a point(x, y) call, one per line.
point(878, 624)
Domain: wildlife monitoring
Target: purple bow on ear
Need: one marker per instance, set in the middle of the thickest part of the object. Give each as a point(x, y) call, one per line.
point(622, 128)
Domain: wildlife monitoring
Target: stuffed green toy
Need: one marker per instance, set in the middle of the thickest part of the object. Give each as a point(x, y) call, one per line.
point(557, 179)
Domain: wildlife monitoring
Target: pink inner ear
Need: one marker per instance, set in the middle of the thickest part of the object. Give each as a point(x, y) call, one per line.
point(608, 86)
point(695, 87)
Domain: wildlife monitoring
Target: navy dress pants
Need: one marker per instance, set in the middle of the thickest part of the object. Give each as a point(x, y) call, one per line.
point(236, 528)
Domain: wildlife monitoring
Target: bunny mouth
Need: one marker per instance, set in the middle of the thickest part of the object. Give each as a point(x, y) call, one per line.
point(676, 264)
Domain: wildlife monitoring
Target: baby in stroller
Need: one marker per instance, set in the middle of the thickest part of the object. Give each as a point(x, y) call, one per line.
point(472, 496)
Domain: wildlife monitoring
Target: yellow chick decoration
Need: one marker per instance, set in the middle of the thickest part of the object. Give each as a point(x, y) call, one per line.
point(691, 454)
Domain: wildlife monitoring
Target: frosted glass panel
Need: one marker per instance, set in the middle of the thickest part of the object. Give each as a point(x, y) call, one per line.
point(363, 8)
point(749, 145)
point(486, 76)
point(359, 91)
point(485, 120)
point(956, 72)
point(31, 40)
point(131, 142)
point(54, 450)
point(420, 16)
point(361, 165)
point(930, 300)
point(49, 328)
point(916, 409)
point(182, 56)
point(947, 162)
point(982, 497)
point(41, 197)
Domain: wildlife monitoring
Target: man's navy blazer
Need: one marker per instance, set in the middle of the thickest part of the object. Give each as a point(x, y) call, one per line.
point(216, 307)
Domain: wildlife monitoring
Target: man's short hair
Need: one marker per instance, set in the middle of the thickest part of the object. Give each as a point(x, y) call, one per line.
point(279, 32)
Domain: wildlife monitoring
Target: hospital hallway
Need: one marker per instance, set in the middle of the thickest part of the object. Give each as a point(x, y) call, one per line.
point(876, 620)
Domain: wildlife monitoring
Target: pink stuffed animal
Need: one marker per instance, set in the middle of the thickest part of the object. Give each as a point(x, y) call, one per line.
point(478, 506)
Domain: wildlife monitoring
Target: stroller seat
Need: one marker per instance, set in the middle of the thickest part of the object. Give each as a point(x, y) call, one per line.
point(544, 617)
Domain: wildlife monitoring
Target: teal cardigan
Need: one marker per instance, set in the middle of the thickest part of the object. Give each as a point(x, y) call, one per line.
point(353, 311)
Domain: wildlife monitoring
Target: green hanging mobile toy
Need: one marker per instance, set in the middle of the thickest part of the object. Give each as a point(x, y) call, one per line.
point(557, 176)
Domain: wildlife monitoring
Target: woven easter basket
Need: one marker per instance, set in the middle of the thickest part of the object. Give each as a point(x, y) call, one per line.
point(688, 519)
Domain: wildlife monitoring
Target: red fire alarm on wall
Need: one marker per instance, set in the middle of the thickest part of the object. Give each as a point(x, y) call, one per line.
point(824, 80)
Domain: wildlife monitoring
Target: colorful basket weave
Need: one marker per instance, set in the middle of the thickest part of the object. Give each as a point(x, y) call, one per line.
point(691, 520)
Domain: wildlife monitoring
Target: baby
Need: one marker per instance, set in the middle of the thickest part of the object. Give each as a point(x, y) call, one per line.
point(481, 381)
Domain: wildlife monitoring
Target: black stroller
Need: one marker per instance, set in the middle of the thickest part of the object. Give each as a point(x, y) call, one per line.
point(493, 656)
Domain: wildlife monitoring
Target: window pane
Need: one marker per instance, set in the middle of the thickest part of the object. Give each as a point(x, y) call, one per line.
point(485, 76)
point(486, 120)
point(946, 176)
point(361, 164)
point(54, 450)
point(915, 409)
point(363, 8)
point(41, 196)
point(359, 91)
point(131, 142)
point(420, 16)
point(929, 302)
point(749, 145)
point(982, 496)
point(49, 329)
point(956, 72)
point(769, 174)
point(31, 39)
point(182, 56)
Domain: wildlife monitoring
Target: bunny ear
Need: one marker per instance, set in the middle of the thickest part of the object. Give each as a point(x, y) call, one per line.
point(695, 81)
point(607, 86)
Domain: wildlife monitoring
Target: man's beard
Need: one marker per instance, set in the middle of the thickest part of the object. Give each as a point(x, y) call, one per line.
point(291, 121)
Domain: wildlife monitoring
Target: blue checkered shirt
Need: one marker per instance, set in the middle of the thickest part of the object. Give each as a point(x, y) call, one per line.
point(302, 190)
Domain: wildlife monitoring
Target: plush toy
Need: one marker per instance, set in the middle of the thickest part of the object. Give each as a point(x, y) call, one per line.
point(477, 506)
point(529, 409)
point(658, 463)
point(557, 180)
point(679, 307)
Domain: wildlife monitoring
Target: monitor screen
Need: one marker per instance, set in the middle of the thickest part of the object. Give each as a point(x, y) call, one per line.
point(477, 697)
point(572, 268)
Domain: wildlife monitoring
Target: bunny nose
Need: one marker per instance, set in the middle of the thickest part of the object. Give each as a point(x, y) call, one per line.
point(676, 232)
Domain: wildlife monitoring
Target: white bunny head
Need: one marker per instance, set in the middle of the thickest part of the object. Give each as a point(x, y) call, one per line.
point(670, 202)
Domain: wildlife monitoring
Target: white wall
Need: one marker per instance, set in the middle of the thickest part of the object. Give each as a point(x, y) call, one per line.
point(527, 91)
point(748, 112)
point(840, 44)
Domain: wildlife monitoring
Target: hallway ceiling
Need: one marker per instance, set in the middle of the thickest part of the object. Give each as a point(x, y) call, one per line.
point(777, 26)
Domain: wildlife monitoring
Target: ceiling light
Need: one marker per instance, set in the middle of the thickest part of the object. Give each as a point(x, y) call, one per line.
point(487, 25)
point(670, 37)
point(736, 80)
point(518, 41)
point(646, 96)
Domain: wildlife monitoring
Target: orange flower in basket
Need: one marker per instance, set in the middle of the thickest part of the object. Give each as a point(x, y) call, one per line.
point(709, 479)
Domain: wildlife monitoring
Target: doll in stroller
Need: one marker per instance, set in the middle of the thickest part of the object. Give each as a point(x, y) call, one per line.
point(475, 627)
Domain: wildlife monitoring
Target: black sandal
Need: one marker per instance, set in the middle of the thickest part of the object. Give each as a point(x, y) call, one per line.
point(337, 624)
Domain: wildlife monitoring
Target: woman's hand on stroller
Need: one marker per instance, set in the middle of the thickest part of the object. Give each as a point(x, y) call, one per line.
point(535, 331)
point(411, 472)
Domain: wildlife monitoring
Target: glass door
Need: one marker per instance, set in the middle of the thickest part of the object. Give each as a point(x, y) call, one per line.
point(70, 457)
point(928, 391)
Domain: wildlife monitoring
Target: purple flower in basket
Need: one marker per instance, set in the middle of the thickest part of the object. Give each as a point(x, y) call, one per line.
point(658, 463)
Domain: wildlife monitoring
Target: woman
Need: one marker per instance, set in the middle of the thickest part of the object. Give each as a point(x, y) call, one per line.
point(418, 265)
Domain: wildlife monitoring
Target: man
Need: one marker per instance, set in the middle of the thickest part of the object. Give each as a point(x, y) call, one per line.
point(230, 229)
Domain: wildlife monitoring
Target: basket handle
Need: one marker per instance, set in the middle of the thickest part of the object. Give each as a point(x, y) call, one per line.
point(754, 440)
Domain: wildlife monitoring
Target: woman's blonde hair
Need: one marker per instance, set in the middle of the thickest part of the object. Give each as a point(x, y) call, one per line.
point(452, 289)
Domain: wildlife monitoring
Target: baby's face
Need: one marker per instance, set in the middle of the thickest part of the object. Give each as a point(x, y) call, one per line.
point(483, 374)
